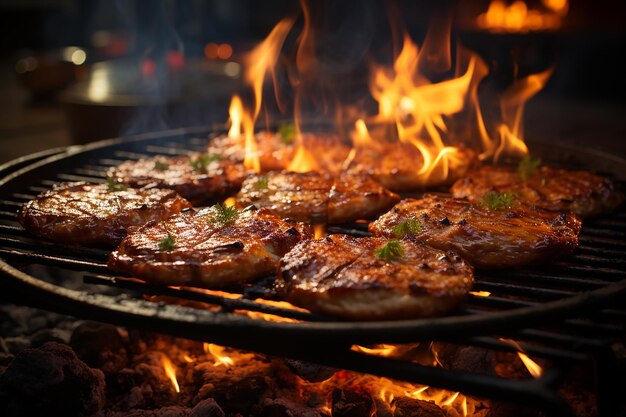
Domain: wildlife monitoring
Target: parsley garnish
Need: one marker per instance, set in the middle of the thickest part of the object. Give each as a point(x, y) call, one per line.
point(499, 201)
point(392, 250)
point(224, 214)
point(161, 166)
point(168, 243)
point(261, 182)
point(115, 186)
point(202, 161)
point(408, 227)
point(527, 166)
point(287, 133)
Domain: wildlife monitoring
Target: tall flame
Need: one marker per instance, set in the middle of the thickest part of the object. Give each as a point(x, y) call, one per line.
point(170, 371)
point(217, 352)
point(235, 113)
point(417, 106)
point(510, 132)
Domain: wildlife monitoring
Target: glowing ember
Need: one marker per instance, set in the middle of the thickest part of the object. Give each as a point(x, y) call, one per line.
point(170, 371)
point(480, 293)
point(517, 17)
point(230, 202)
point(533, 368)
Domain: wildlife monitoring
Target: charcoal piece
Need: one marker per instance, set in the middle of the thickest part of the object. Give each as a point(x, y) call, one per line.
point(171, 411)
point(283, 407)
point(49, 335)
point(382, 408)
point(207, 408)
point(310, 371)
point(100, 346)
point(50, 381)
point(410, 407)
point(466, 358)
point(351, 404)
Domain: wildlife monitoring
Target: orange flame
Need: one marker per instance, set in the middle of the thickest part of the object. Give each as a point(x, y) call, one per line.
point(480, 293)
point(235, 113)
point(417, 107)
point(533, 367)
point(170, 371)
point(517, 17)
point(217, 352)
point(319, 231)
point(511, 138)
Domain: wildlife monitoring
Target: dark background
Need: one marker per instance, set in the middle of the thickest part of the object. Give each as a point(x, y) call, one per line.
point(583, 103)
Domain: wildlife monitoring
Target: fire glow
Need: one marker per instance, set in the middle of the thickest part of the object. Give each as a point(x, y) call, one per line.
point(533, 367)
point(517, 17)
point(412, 122)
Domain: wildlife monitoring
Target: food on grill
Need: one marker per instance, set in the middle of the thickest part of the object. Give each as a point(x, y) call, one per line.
point(373, 278)
point(317, 197)
point(96, 213)
point(276, 150)
point(197, 177)
point(580, 192)
point(497, 232)
point(211, 248)
point(397, 166)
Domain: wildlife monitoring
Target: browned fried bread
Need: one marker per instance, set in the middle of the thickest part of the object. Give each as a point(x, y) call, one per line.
point(198, 177)
point(317, 197)
point(373, 278)
point(276, 150)
point(497, 237)
point(400, 166)
point(580, 192)
point(96, 213)
point(211, 248)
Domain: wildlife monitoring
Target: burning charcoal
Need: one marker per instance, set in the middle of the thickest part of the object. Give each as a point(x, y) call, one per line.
point(240, 395)
point(50, 380)
point(382, 408)
point(351, 404)
point(409, 407)
point(100, 346)
point(207, 408)
point(310, 371)
point(174, 411)
point(282, 407)
point(465, 358)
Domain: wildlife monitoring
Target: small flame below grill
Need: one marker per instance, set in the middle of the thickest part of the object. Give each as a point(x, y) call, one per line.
point(170, 371)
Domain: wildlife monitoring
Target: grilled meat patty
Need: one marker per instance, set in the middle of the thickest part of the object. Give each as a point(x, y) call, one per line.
point(485, 237)
point(94, 214)
point(348, 277)
point(198, 177)
point(317, 197)
point(397, 166)
point(211, 248)
point(580, 192)
point(275, 151)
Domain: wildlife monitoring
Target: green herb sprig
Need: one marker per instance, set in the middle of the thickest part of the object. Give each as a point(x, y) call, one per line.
point(499, 201)
point(204, 160)
point(116, 186)
point(161, 166)
point(261, 182)
point(168, 243)
point(224, 214)
point(287, 133)
point(408, 227)
point(390, 251)
point(528, 166)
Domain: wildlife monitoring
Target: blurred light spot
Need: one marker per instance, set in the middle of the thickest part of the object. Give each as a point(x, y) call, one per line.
point(210, 50)
point(175, 60)
point(224, 51)
point(99, 85)
point(78, 57)
point(148, 67)
point(101, 38)
point(25, 65)
point(232, 69)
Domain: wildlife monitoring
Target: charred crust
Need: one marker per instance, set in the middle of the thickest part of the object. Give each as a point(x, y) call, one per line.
point(462, 222)
point(292, 231)
point(236, 245)
point(445, 221)
point(423, 266)
point(251, 207)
